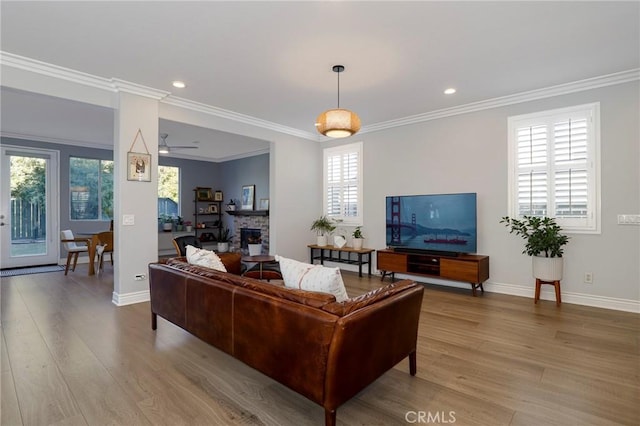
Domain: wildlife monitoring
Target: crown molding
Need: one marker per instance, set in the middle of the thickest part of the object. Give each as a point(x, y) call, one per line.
point(178, 154)
point(235, 116)
point(67, 74)
point(138, 89)
point(50, 139)
point(55, 71)
point(115, 85)
point(547, 92)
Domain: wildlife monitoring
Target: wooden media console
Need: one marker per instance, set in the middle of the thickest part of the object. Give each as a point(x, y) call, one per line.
point(471, 268)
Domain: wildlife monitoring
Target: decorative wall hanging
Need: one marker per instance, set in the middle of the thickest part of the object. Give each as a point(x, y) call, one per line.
point(139, 163)
point(248, 192)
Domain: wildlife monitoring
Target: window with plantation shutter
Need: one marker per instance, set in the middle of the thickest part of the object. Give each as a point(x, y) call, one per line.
point(343, 183)
point(553, 166)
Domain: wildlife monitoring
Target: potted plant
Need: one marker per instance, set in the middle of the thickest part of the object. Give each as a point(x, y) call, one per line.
point(188, 225)
point(544, 244)
point(358, 238)
point(225, 239)
point(167, 222)
point(323, 227)
point(179, 221)
point(255, 245)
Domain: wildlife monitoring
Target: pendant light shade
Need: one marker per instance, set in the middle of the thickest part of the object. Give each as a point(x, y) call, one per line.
point(338, 122)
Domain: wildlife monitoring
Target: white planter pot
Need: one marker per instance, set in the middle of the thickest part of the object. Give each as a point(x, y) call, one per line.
point(357, 243)
point(189, 228)
point(166, 227)
point(223, 247)
point(322, 240)
point(255, 249)
point(547, 268)
point(339, 241)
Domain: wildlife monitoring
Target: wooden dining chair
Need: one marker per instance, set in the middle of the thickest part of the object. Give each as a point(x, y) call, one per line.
point(104, 245)
point(73, 246)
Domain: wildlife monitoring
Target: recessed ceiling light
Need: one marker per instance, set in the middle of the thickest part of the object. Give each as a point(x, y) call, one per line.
point(450, 91)
point(179, 84)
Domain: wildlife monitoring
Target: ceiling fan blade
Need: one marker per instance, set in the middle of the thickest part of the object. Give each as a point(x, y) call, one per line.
point(182, 147)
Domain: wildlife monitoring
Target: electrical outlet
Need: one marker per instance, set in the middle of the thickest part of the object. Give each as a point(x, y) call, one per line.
point(140, 277)
point(588, 277)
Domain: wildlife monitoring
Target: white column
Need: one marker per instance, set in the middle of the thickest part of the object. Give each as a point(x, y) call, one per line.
point(135, 202)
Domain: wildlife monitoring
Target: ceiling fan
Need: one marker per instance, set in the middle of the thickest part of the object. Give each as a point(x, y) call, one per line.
point(163, 148)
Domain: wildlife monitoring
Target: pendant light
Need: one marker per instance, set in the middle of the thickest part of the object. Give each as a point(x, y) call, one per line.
point(338, 122)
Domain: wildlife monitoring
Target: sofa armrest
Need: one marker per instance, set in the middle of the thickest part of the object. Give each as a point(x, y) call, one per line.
point(371, 340)
point(352, 304)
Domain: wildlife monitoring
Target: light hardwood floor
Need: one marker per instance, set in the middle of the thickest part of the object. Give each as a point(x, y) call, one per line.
point(71, 357)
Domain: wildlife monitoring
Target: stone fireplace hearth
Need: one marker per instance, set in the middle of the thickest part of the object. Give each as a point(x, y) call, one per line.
point(247, 222)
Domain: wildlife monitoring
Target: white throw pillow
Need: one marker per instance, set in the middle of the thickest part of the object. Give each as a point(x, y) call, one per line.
point(207, 258)
point(312, 277)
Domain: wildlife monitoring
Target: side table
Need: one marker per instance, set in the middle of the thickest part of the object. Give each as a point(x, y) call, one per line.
point(260, 260)
point(363, 255)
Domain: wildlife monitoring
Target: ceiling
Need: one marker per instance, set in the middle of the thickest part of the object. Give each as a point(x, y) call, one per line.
point(272, 60)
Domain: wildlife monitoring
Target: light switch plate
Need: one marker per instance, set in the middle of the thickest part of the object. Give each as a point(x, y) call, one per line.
point(128, 219)
point(629, 219)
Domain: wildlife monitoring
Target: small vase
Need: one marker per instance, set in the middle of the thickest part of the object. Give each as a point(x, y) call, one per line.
point(223, 247)
point(255, 249)
point(339, 241)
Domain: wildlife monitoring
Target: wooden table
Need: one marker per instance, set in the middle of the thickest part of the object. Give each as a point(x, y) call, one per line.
point(259, 259)
point(331, 258)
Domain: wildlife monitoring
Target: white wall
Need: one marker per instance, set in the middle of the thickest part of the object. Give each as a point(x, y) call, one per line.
point(468, 153)
point(295, 197)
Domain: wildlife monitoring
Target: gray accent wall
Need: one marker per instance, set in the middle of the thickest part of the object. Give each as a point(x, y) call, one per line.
point(228, 176)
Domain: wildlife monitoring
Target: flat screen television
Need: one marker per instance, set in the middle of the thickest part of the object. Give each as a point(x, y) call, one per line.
point(439, 223)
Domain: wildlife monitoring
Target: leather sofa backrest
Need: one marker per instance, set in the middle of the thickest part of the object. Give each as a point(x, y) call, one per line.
point(232, 262)
point(310, 298)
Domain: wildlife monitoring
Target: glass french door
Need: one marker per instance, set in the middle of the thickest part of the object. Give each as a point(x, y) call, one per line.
point(28, 207)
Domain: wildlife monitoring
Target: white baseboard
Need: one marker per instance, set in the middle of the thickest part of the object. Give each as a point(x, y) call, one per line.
point(130, 298)
point(567, 297)
point(605, 302)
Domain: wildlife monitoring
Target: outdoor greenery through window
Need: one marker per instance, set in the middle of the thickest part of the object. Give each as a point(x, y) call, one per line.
point(91, 189)
point(553, 166)
point(168, 191)
point(343, 183)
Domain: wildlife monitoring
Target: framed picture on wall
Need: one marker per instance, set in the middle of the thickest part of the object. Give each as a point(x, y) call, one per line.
point(217, 196)
point(139, 166)
point(213, 208)
point(264, 204)
point(203, 194)
point(248, 194)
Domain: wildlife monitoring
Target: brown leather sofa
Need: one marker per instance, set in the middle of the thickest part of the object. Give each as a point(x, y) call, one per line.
point(322, 349)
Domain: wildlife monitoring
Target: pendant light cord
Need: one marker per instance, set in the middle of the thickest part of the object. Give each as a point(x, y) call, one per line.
point(338, 89)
